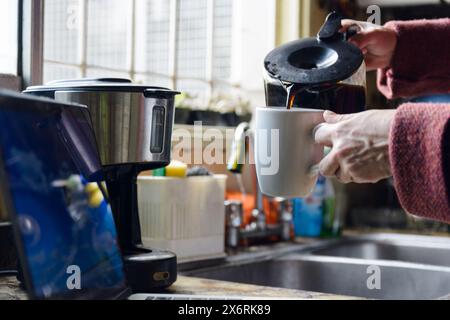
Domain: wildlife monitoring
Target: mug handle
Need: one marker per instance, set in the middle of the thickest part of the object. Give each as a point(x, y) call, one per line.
point(317, 128)
point(314, 169)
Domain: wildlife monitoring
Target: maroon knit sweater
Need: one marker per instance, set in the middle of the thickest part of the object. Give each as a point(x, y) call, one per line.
point(420, 134)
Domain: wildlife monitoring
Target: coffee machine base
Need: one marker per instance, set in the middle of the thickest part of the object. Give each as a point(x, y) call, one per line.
point(150, 270)
point(147, 269)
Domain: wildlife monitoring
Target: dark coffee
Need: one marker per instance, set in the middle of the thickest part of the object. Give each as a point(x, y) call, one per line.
point(340, 98)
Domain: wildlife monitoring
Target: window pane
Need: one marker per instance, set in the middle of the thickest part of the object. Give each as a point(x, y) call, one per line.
point(57, 72)
point(223, 13)
point(192, 38)
point(157, 81)
point(101, 73)
point(8, 36)
point(61, 31)
point(108, 30)
point(107, 49)
point(152, 36)
point(198, 89)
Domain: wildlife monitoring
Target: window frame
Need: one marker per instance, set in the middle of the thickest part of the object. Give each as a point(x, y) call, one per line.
point(29, 47)
point(31, 42)
point(23, 62)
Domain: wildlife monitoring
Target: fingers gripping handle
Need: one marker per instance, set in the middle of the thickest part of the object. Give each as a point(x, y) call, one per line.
point(314, 169)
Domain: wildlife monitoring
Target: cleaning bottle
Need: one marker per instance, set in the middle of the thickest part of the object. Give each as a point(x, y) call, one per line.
point(308, 212)
point(331, 226)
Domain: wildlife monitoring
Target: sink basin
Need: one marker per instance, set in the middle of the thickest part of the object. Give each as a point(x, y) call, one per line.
point(411, 267)
point(339, 276)
point(417, 249)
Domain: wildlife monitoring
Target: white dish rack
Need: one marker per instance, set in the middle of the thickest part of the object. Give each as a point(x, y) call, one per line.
point(183, 215)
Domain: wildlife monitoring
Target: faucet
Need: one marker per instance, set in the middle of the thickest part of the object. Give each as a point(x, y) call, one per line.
point(243, 145)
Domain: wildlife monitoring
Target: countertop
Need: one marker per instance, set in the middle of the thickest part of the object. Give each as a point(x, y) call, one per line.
point(10, 290)
point(196, 286)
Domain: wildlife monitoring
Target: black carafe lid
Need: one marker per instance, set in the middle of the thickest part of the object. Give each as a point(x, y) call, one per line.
point(327, 58)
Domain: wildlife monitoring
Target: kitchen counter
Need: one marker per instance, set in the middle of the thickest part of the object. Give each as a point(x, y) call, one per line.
point(196, 286)
point(10, 290)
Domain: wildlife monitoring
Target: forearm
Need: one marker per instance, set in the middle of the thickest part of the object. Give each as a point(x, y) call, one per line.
point(419, 156)
point(421, 62)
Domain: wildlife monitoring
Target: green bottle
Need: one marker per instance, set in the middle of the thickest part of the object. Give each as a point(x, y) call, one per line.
point(331, 225)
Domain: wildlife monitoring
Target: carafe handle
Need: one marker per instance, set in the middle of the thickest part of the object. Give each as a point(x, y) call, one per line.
point(330, 28)
point(332, 25)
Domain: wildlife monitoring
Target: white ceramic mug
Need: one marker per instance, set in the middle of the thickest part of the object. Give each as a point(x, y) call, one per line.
point(286, 155)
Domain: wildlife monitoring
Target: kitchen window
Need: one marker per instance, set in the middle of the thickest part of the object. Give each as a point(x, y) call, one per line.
point(182, 44)
point(9, 17)
point(8, 36)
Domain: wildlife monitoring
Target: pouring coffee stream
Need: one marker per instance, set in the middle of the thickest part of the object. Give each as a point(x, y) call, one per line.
point(291, 93)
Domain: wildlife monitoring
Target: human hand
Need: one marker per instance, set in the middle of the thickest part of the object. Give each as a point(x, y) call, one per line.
point(377, 43)
point(360, 145)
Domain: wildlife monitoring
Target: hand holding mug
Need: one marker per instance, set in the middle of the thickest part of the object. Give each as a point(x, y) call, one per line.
point(360, 145)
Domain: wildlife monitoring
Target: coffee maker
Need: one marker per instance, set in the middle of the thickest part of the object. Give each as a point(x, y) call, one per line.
point(133, 127)
point(322, 72)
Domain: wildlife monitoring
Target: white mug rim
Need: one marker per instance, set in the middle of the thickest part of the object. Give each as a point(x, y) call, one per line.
point(284, 109)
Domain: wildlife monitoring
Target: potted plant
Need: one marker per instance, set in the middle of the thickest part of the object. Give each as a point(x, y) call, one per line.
point(243, 110)
point(183, 110)
point(221, 110)
point(232, 110)
point(207, 116)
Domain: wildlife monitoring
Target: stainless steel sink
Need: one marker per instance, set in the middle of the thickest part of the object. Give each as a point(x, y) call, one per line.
point(417, 249)
point(411, 267)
